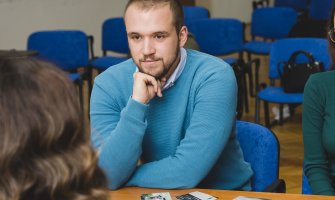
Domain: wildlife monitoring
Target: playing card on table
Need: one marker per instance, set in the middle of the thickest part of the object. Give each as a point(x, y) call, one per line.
point(156, 196)
point(196, 196)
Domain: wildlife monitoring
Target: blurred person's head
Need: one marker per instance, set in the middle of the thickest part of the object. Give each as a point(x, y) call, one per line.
point(44, 150)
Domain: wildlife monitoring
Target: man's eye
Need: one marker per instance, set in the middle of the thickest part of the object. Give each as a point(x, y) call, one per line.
point(159, 37)
point(135, 37)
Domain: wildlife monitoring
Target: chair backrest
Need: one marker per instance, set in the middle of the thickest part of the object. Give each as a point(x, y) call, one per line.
point(218, 36)
point(320, 9)
point(192, 13)
point(282, 49)
point(114, 36)
point(261, 149)
point(66, 48)
point(298, 5)
point(272, 22)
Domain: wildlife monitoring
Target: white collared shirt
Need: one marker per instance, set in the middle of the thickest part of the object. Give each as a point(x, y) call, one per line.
point(177, 72)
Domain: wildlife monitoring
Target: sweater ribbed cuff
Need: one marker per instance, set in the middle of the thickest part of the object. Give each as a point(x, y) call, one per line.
point(137, 109)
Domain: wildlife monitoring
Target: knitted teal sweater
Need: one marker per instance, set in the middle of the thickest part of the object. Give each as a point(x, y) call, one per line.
point(185, 139)
point(318, 126)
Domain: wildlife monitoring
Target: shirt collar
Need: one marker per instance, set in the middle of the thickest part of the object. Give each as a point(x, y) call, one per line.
point(177, 72)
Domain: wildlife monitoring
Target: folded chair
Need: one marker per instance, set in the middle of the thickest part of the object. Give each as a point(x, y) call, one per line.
point(281, 50)
point(261, 149)
point(68, 49)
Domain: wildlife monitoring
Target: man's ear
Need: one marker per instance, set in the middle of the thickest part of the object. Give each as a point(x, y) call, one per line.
point(183, 36)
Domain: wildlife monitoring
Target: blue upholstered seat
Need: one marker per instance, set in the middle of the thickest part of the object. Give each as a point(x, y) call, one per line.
point(277, 95)
point(104, 62)
point(258, 47)
point(261, 149)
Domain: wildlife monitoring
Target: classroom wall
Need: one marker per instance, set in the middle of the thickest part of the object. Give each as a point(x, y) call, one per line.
point(239, 9)
point(19, 18)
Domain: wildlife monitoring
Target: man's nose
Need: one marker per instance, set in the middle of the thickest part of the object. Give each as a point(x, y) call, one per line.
point(148, 47)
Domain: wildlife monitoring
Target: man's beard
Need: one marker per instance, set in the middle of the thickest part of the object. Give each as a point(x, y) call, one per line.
point(166, 67)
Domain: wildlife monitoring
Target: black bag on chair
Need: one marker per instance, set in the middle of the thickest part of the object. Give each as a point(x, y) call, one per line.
point(294, 75)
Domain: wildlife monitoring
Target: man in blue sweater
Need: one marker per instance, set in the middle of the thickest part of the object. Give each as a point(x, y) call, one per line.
point(166, 117)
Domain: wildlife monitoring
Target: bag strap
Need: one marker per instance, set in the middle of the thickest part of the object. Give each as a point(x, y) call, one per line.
point(294, 55)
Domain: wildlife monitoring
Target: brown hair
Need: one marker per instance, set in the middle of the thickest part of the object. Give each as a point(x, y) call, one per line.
point(175, 7)
point(44, 151)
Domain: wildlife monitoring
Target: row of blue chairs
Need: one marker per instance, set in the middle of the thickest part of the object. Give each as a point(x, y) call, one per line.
point(73, 49)
point(312, 9)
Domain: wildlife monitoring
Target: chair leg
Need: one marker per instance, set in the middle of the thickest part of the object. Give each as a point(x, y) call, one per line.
point(281, 113)
point(257, 110)
point(81, 98)
point(292, 108)
point(267, 114)
point(249, 56)
point(245, 91)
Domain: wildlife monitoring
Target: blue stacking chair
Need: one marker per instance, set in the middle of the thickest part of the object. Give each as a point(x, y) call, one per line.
point(68, 49)
point(114, 39)
point(192, 13)
point(281, 50)
point(220, 37)
point(269, 24)
point(261, 149)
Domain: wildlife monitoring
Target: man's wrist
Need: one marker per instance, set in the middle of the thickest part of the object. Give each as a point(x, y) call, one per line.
point(139, 100)
point(137, 109)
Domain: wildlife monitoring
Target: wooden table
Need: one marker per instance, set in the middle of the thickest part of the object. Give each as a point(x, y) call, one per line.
point(134, 193)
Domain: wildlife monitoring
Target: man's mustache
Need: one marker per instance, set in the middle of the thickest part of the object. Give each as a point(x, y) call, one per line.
point(149, 59)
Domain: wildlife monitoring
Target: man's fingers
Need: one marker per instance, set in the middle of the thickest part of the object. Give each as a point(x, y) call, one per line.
point(159, 88)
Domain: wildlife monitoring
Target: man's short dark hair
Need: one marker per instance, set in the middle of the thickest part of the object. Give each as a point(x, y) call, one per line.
point(175, 7)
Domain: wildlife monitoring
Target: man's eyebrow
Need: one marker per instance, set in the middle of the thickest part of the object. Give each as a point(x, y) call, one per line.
point(161, 32)
point(132, 33)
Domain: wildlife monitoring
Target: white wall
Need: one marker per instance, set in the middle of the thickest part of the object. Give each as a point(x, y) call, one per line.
point(19, 18)
point(240, 9)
